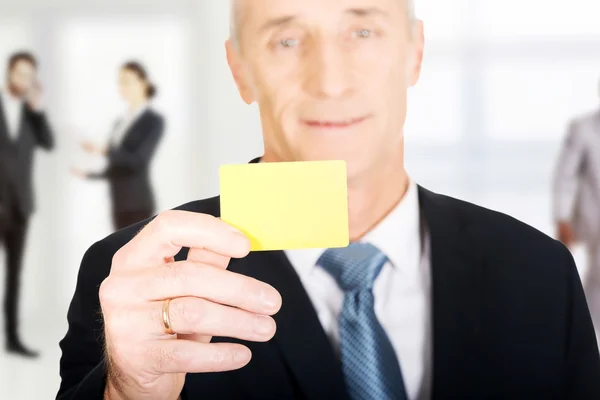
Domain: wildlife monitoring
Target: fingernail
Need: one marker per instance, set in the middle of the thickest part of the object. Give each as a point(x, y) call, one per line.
point(271, 300)
point(242, 355)
point(263, 325)
point(233, 228)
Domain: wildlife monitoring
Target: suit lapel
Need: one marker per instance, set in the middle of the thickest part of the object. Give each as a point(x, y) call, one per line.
point(456, 271)
point(456, 300)
point(133, 127)
point(22, 121)
point(300, 338)
point(304, 346)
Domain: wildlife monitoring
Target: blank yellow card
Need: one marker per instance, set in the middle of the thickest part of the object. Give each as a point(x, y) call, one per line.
point(287, 205)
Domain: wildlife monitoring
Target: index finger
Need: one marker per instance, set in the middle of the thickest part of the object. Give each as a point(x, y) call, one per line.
point(172, 230)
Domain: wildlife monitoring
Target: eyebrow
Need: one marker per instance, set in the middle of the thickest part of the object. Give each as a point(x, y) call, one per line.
point(276, 22)
point(359, 12)
point(365, 12)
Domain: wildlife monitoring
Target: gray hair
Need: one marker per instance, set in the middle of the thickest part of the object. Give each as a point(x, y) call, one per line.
point(236, 18)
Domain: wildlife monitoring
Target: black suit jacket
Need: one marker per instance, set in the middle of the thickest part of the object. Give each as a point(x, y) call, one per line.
point(510, 320)
point(16, 157)
point(128, 170)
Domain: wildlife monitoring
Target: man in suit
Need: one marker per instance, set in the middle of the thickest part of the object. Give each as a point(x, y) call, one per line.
point(577, 198)
point(23, 128)
point(434, 297)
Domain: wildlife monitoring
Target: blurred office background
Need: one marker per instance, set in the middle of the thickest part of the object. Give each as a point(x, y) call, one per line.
point(501, 80)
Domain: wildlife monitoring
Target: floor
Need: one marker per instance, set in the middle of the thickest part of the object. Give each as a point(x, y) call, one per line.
point(23, 379)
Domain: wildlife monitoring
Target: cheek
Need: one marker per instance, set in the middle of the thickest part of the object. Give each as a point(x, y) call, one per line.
point(126, 92)
point(385, 86)
point(18, 80)
point(278, 98)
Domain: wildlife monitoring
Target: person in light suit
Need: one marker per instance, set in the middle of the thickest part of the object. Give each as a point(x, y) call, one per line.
point(576, 205)
point(132, 145)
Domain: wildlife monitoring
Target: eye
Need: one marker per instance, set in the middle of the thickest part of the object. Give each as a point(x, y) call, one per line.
point(363, 33)
point(288, 43)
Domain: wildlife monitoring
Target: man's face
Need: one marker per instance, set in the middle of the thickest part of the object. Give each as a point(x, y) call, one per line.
point(21, 78)
point(330, 76)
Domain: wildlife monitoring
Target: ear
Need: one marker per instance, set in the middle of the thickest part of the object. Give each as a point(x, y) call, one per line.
point(239, 74)
point(416, 60)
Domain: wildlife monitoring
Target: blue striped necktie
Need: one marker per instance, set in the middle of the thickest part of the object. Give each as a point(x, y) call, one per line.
point(370, 367)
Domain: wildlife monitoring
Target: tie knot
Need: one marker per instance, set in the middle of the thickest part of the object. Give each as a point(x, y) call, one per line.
point(355, 267)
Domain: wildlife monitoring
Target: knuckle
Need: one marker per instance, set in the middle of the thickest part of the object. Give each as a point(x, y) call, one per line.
point(209, 221)
point(188, 313)
point(108, 292)
point(118, 258)
point(160, 357)
point(246, 323)
point(117, 324)
point(222, 358)
point(248, 289)
point(156, 316)
point(165, 220)
point(176, 274)
point(182, 271)
point(160, 223)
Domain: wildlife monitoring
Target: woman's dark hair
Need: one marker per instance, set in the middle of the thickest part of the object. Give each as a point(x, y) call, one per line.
point(141, 73)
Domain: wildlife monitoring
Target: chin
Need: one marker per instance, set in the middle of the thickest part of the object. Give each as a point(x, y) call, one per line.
point(356, 161)
point(20, 92)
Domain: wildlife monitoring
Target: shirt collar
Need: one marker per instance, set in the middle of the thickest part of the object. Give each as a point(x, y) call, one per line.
point(397, 235)
point(138, 111)
point(9, 98)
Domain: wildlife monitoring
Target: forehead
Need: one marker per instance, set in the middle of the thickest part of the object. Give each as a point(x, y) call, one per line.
point(23, 66)
point(128, 74)
point(256, 12)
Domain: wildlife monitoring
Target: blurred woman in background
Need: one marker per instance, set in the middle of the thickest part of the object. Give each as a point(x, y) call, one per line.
point(132, 144)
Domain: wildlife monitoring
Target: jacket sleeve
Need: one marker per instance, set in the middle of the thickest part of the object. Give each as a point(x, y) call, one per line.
point(41, 129)
point(123, 159)
point(582, 357)
point(82, 367)
point(568, 169)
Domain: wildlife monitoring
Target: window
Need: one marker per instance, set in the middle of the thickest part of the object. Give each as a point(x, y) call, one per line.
point(501, 80)
point(435, 105)
point(517, 19)
point(534, 100)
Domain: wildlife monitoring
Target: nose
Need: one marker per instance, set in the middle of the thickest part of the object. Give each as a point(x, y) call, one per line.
point(328, 70)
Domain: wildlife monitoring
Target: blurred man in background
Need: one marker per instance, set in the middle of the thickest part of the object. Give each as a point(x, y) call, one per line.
point(23, 127)
point(577, 198)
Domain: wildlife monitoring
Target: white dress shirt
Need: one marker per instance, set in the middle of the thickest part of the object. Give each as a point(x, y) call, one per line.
point(402, 291)
point(13, 110)
point(125, 123)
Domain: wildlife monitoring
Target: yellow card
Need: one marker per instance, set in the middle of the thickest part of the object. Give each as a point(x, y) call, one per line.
point(287, 205)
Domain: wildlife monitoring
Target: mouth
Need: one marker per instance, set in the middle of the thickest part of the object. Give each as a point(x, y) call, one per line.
point(334, 123)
